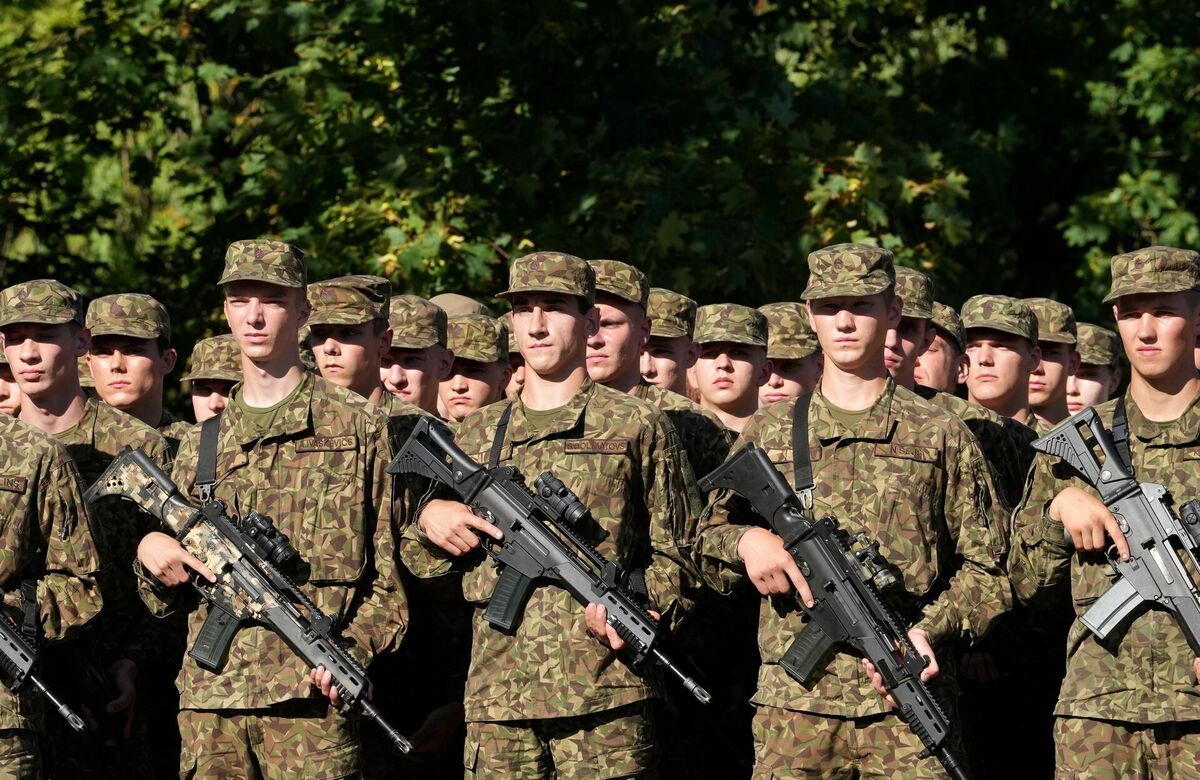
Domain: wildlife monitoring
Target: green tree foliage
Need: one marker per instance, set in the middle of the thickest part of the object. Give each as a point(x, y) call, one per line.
point(999, 146)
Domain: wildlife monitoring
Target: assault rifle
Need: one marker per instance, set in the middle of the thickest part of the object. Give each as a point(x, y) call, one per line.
point(17, 659)
point(846, 575)
point(529, 550)
point(250, 564)
point(1162, 549)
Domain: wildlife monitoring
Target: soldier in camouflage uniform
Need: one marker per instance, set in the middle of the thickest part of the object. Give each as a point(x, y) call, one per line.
point(516, 363)
point(43, 326)
point(670, 352)
point(913, 335)
point(549, 699)
point(418, 359)
point(213, 369)
point(887, 463)
point(732, 362)
point(1056, 342)
point(1128, 708)
point(47, 540)
point(794, 353)
point(349, 332)
point(480, 371)
point(10, 391)
point(1002, 351)
point(943, 365)
point(456, 305)
point(312, 456)
point(1099, 373)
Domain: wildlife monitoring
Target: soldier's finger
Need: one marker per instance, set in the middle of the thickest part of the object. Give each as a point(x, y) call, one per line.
point(196, 565)
point(1196, 670)
point(1117, 536)
point(480, 524)
point(798, 582)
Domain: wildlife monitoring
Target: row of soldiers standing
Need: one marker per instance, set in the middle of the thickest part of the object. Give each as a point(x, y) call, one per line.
point(590, 378)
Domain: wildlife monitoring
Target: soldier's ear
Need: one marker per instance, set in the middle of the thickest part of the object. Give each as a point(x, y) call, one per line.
point(1114, 380)
point(83, 341)
point(169, 358)
point(895, 306)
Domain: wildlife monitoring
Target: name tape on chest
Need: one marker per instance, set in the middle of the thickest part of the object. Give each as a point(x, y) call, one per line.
point(596, 446)
point(910, 451)
point(14, 484)
point(326, 444)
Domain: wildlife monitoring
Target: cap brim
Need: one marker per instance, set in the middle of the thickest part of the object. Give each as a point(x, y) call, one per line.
point(117, 330)
point(413, 343)
point(276, 280)
point(1144, 289)
point(338, 318)
point(1058, 338)
point(39, 319)
point(816, 292)
point(792, 353)
point(996, 327)
point(543, 289)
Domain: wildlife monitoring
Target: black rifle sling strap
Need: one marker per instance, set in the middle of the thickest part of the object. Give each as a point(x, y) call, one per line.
point(30, 622)
point(498, 441)
point(801, 462)
point(1120, 433)
point(206, 462)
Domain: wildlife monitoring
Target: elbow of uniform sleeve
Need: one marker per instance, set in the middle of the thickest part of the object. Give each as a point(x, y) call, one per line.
point(978, 595)
point(1039, 563)
point(717, 558)
point(67, 602)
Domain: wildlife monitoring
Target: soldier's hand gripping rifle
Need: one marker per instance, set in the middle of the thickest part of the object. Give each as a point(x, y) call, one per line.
point(17, 659)
point(251, 585)
point(845, 576)
point(529, 550)
point(1162, 565)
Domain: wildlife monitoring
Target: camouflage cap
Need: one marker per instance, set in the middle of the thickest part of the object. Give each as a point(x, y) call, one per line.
point(789, 334)
point(730, 322)
point(45, 301)
point(3, 359)
point(129, 314)
point(215, 358)
point(946, 320)
point(916, 293)
point(551, 272)
point(849, 269)
point(622, 280)
point(416, 323)
point(1056, 321)
point(273, 262)
point(85, 372)
point(477, 337)
point(671, 315)
point(1098, 346)
point(1155, 269)
point(506, 323)
point(349, 300)
point(456, 305)
point(1002, 313)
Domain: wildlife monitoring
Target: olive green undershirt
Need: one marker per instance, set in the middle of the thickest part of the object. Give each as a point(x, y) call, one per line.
point(263, 419)
point(848, 419)
point(541, 420)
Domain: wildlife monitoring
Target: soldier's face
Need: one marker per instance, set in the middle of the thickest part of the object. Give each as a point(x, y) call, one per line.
point(128, 372)
point(1158, 332)
point(613, 350)
point(209, 397)
point(265, 319)
point(852, 329)
point(665, 361)
point(414, 374)
point(1091, 385)
point(552, 331)
point(42, 358)
point(941, 366)
point(999, 366)
point(350, 355)
point(472, 385)
point(791, 378)
point(10, 392)
point(902, 346)
point(1048, 380)
point(728, 375)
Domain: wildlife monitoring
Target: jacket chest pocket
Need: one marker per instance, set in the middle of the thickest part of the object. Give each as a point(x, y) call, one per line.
point(910, 529)
point(322, 486)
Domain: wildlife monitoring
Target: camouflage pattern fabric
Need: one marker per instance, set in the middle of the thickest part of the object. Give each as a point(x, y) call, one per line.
point(46, 301)
point(261, 260)
point(1155, 269)
point(349, 300)
point(946, 320)
point(613, 743)
point(20, 754)
point(622, 280)
point(913, 478)
point(505, 321)
point(789, 334)
point(319, 474)
point(301, 739)
point(705, 438)
point(551, 272)
point(1002, 313)
point(849, 269)
point(791, 744)
point(916, 293)
point(456, 305)
point(86, 380)
point(1056, 321)
point(672, 315)
point(624, 460)
point(1098, 346)
point(45, 534)
point(1144, 674)
point(416, 323)
point(477, 337)
point(1088, 749)
point(730, 322)
point(129, 314)
point(216, 358)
